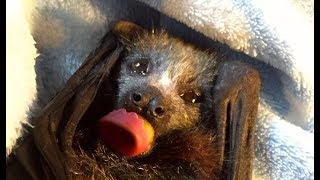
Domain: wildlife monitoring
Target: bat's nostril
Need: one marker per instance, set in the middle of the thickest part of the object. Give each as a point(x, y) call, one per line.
point(136, 97)
point(159, 111)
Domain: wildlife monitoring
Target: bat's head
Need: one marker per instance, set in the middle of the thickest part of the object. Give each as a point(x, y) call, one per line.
point(162, 79)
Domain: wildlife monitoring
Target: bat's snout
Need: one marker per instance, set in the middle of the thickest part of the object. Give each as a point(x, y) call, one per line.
point(150, 101)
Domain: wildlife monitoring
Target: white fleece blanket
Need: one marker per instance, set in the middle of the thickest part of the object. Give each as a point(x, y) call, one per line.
point(276, 34)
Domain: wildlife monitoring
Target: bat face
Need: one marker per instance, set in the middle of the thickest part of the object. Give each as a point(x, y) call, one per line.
point(165, 81)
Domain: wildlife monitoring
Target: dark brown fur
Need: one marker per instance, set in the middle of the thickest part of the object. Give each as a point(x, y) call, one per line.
point(180, 155)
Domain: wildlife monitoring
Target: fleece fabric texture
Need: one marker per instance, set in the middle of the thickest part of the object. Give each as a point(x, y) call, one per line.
point(276, 36)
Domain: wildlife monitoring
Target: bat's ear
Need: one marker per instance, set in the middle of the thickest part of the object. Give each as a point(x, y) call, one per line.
point(127, 31)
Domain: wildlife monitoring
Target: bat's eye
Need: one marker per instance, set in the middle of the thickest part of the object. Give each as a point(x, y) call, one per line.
point(140, 66)
point(191, 96)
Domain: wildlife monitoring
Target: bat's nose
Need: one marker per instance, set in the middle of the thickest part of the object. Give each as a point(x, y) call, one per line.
point(156, 108)
point(150, 102)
